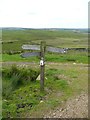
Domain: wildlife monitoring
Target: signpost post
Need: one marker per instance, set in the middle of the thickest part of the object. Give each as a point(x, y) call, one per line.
point(41, 48)
point(42, 65)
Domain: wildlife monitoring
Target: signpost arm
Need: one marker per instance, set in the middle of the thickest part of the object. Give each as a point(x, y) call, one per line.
point(42, 65)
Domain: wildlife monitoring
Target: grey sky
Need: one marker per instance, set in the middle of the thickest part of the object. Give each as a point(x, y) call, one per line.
point(44, 13)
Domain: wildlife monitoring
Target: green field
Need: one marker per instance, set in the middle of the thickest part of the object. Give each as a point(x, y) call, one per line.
point(78, 57)
point(13, 39)
point(66, 75)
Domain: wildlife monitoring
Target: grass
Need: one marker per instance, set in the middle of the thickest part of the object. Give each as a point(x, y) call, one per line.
point(78, 57)
point(0, 108)
point(14, 77)
point(62, 83)
point(14, 39)
point(72, 56)
point(22, 97)
point(17, 58)
point(38, 34)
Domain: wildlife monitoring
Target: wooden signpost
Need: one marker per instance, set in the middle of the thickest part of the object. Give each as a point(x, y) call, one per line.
point(31, 47)
point(42, 48)
point(49, 49)
point(30, 54)
point(56, 50)
point(42, 65)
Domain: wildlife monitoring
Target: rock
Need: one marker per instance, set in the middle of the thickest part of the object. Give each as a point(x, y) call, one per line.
point(74, 63)
point(41, 101)
point(38, 78)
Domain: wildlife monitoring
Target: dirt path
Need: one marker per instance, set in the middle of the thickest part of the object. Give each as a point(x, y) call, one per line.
point(73, 108)
point(47, 63)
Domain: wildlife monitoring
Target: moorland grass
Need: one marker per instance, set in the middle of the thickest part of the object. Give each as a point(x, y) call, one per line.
point(14, 77)
point(14, 39)
point(22, 97)
point(62, 83)
point(71, 56)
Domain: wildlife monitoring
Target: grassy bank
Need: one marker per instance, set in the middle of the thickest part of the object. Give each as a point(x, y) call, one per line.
point(62, 82)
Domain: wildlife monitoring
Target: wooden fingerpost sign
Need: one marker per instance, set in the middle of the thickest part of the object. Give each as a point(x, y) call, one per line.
point(42, 65)
point(41, 48)
point(41, 53)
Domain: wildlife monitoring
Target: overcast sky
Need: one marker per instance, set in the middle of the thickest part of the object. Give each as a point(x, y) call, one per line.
point(44, 13)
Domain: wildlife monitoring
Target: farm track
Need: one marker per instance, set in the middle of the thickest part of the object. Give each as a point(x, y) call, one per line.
point(74, 108)
point(37, 63)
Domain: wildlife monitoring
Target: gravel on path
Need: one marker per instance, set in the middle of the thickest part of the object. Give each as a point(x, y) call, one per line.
point(73, 108)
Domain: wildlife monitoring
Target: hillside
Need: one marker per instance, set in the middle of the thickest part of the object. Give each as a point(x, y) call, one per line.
point(66, 74)
point(14, 38)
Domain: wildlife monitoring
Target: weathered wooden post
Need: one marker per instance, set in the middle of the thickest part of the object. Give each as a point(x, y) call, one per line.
point(42, 65)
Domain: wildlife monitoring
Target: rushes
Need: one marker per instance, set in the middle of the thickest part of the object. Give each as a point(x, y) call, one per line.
point(14, 77)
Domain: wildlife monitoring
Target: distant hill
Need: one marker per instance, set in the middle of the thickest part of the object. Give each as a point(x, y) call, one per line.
point(85, 30)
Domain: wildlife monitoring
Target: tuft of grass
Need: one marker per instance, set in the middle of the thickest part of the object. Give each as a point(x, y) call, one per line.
point(21, 100)
point(14, 77)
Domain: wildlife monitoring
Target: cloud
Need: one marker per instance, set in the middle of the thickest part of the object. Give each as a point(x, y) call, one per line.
point(44, 13)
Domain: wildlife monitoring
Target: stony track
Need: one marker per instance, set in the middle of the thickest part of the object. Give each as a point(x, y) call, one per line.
point(74, 108)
